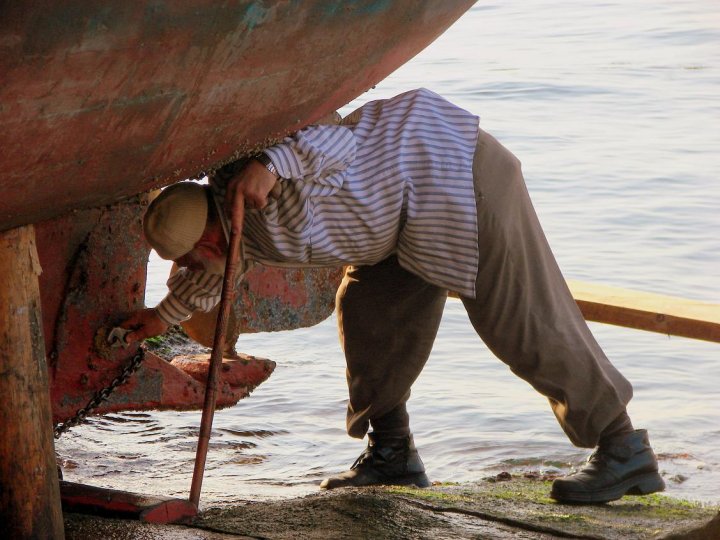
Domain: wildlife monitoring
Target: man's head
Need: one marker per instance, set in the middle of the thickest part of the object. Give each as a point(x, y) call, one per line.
point(182, 225)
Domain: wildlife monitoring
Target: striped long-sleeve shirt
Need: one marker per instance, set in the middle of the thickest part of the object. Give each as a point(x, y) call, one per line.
point(394, 178)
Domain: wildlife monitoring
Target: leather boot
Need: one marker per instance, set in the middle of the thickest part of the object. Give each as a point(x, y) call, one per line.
point(385, 461)
point(621, 465)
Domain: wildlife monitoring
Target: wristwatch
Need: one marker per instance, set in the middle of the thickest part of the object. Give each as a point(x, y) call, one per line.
point(267, 163)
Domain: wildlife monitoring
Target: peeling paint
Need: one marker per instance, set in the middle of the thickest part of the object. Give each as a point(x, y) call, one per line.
point(255, 15)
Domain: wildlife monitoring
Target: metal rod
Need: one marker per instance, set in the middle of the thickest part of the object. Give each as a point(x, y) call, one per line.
point(228, 293)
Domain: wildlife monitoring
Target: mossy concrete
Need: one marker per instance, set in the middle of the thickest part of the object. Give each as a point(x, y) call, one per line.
point(512, 507)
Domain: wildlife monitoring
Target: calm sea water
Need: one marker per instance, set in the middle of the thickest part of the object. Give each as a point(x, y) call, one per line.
point(613, 108)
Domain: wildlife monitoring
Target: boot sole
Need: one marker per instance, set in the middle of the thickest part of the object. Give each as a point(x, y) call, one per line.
point(417, 479)
point(637, 485)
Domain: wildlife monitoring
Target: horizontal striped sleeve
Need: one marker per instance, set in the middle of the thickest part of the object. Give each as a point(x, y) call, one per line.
point(172, 311)
point(315, 153)
point(189, 291)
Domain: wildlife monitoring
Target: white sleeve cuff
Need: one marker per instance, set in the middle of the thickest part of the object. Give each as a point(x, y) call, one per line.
point(172, 311)
point(285, 161)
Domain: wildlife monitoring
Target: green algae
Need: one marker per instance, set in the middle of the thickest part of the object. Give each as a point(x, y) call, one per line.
point(427, 494)
point(526, 504)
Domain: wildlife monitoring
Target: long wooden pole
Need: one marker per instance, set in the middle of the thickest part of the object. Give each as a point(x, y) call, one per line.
point(228, 293)
point(29, 488)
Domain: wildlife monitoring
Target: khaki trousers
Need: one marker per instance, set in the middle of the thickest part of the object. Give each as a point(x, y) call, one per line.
point(523, 312)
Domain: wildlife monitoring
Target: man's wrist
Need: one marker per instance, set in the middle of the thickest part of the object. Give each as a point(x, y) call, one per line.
point(266, 162)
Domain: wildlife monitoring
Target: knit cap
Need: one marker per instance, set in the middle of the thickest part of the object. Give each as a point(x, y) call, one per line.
point(175, 220)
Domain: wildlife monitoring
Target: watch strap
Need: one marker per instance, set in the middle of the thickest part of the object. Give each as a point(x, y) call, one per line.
point(267, 163)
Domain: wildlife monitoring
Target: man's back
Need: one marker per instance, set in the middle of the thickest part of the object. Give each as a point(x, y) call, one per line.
point(406, 187)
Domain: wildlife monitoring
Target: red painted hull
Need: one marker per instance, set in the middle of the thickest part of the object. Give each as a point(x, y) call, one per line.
point(94, 276)
point(101, 100)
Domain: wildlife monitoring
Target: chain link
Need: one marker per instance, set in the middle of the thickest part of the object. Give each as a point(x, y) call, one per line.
point(101, 395)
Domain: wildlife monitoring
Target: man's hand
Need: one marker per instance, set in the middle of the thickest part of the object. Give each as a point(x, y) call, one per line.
point(254, 183)
point(144, 324)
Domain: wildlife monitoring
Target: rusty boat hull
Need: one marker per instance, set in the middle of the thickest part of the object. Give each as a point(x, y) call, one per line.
point(100, 103)
point(101, 100)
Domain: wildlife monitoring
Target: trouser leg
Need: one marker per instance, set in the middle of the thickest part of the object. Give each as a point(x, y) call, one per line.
point(388, 319)
point(524, 311)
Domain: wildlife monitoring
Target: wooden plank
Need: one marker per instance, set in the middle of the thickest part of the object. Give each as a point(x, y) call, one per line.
point(29, 493)
point(647, 311)
point(669, 315)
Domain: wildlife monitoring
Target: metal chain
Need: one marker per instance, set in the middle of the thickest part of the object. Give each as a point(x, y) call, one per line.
point(101, 395)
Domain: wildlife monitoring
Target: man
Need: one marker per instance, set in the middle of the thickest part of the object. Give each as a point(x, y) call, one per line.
point(419, 201)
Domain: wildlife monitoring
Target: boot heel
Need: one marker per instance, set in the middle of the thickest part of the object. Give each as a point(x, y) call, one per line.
point(649, 484)
point(418, 479)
